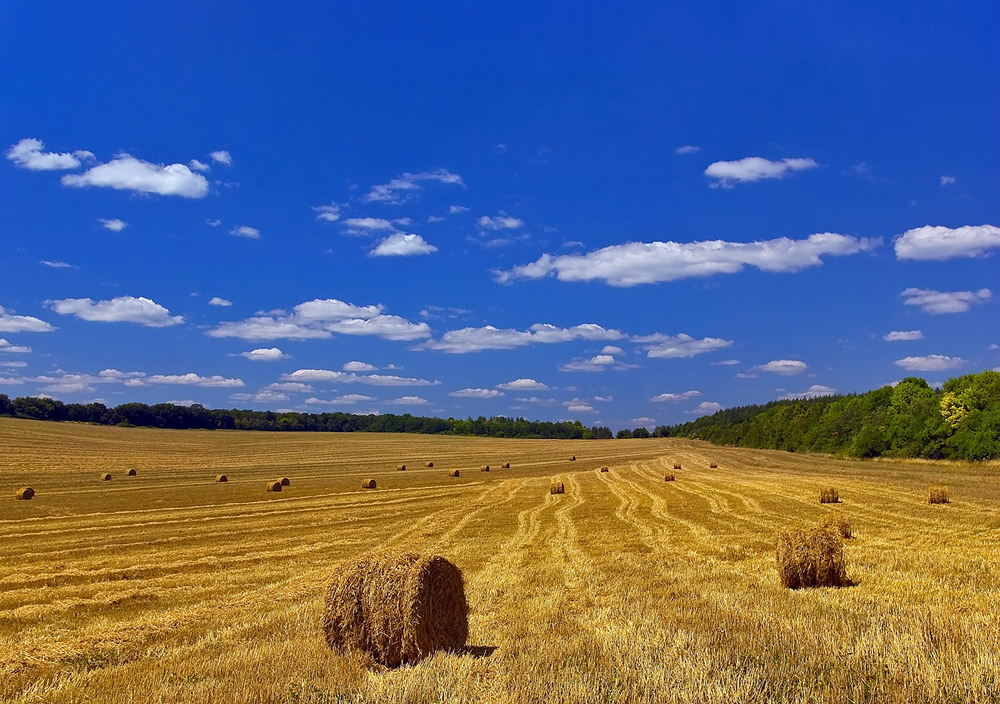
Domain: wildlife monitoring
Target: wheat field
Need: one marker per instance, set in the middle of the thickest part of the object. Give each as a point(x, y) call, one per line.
point(170, 587)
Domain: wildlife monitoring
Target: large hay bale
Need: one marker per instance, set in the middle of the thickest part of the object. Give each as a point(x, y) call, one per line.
point(841, 524)
point(485, 469)
point(285, 481)
point(829, 496)
point(398, 607)
point(677, 465)
point(669, 477)
point(131, 472)
point(713, 465)
point(557, 488)
point(811, 556)
point(222, 478)
point(938, 495)
point(430, 464)
point(368, 484)
point(274, 486)
point(505, 465)
point(605, 469)
point(106, 477)
point(25, 494)
point(573, 458)
point(401, 468)
point(454, 473)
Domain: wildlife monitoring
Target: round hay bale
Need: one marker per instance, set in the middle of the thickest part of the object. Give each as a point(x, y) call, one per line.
point(105, 477)
point(841, 524)
point(713, 465)
point(485, 469)
point(677, 465)
point(605, 469)
point(401, 468)
point(25, 494)
point(131, 472)
point(557, 488)
point(368, 484)
point(285, 481)
point(222, 478)
point(812, 556)
point(573, 458)
point(506, 465)
point(938, 495)
point(669, 477)
point(274, 486)
point(454, 473)
point(829, 496)
point(398, 607)
point(430, 464)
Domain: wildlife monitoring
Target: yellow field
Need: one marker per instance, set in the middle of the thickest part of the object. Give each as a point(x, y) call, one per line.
point(169, 587)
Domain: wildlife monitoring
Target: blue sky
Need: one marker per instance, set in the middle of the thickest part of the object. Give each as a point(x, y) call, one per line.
point(622, 217)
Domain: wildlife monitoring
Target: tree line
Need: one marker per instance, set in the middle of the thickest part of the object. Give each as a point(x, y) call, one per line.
point(961, 420)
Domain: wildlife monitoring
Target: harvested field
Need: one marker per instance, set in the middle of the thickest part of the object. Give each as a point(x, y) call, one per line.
point(626, 588)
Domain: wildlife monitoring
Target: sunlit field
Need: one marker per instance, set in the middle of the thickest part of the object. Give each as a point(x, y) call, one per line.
point(171, 587)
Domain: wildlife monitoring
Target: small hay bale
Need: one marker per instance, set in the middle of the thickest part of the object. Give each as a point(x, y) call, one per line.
point(368, 484)
point(505, 465)
point(557, 488)
point(811, 556)
point(573, 458)
point(131, 472)
point(430, 464)
point(829, 496)
point(938, 495)
point(105, 477)
point(401, 468)
point(605, 469)
point(399, 607)
point(669, 477)
point(485, 469)
point(454, 473)
point(285, 481)
point(25, 494)
point(274, 486)
point(713, 465)
point(677, 465)
point(222, 478)
point(841, 524)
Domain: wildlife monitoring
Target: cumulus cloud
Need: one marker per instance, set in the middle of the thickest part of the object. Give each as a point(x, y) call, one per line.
point(680, 346)
point(489, 337)
point(199, 166)
point(403, 245)
point(597, 363)
point(941, 302)
point(245, 231)
point(401, 189)
point(814, 391)
point(408, 401)
point(939, 243)
point(784, 367)
point(675, 397)
point(359, 367)
point(476, 393)
point(222, 302)
point(345, 400)
point(930, 363)
point(457, 209)
point(503, 221)
point(753, 168)
point(611, 349)
point(124, 309)
point(367, 225)
point(523, 385)
point(636, 263)
point(126, 173)
point(222, 157)
point(12, 349)
point(579, 405)
point(29, 154)
point(262, 396)
point(293, 386)
point(903, 335)
point(687, 149)
point(326, 375)
point(706, 407)
point(192, 379)
point(265, 354)
point(327, 213)
point(12, 364)
point(21, 323)
point(113, 224)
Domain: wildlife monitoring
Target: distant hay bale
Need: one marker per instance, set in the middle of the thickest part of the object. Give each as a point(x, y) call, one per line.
point(368, 484)
point(274, 486)
point(573, 458)
point(605, 469)
point(505, 465)
point(713, 465)
point(669, 477)
point(677, 465)
point(829, 496)
point(105, 477)
point(485, 469)
point(401, 468)
point(222, 478)
point(811, 556)
point(285, 481)
point(938, 495)
point(557, 488)
point(841, 524)
point(131, 472)
point(430, 464)
point(454, 473)
point(25, 494)
point(399, 607)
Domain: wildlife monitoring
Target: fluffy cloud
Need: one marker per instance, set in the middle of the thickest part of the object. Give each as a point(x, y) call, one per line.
point(784, 367)
point(367, 225)
point(611, 349)
point(199, 166)
point(327, 213)
point(303, 375)
point(222, 157)
point(903, 335)
point(124, 309)
point(265, 354)
point(489, 337)
point(21, 323)
point(579, 405)
point(687, 149)
point(814, 391)
point(246, 231)
point(126, 173)
point(543, 332)
point(293, 386)
point(503, 221)
point(753, 168)
point(13, 349)
point(706, 407)
point(345, 400)
point(401, 189)
point(660, 346)
point(941, 302)
point(597, 363)
point(28, 154)
point(408, 401)
point(216, 301)
point(675, 398)
point(262, 396)
point(403, 245)
point(947, 180)
point(113, 224)
point(939, 243)
point(523, 385)
point(388, 327)
point(476, 393)
point(191, 379)
point(457, 209)
point(358, 367)
point(636, 263)
point(930, 363)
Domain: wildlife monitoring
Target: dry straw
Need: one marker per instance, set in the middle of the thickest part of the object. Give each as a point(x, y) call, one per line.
point(222, 478)
point(430, 464)
point(25, 494)
point(105, 477)
point(131, 472)
point(557, 488)
point(285, 481)
point(811, 556)
point(398, 607)
point(669, 477)
point(938, 495)
point(829, 496)
point(274, 486)
point(454, 473)
point(841, 524)
point(368, 484)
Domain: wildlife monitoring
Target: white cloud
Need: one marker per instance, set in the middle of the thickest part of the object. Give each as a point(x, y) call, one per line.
point(903, 335)
point(369, 224)
point(706, 407)
point(222, 157)
point(941, 302)
point(636, 263)
point(57, 265)
point(503, 221)
point(489, 337)
point(345, 400)
point(687, 149)
point(680, 346)
point(398, 190)
point(213, 223)
point(784, 367)
point(327, 375)
point(12, 349)
point(930, 363)
point(597, 363)
point(325, 310)
point(327, 213)
point(262, 396)
point(126, 173)
point(644, 421)
point(675, 398)
point(948, 180)
point(523, 385)
point(246, 231)
point(545, 333)
point(457, 209)
point(814, 391)
point(113, 224)
point(939, 243)
point(192, 379)
point(726, 363)
point(408, 401)
point(268, 328)
point(10, 381)
point(21, 323)
point(199, 166)
point(124, 309)
point(579, 405)
point(222, 302)
point(402, 245)
point(476, 393)
point(28, 154)
point(538, 401)
point(611, 349)
point(388, 327)
point(753, 168)
point(359, 367)
point(604, 399)
point(293, 386)
point(265, 354)
point(435, 218)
